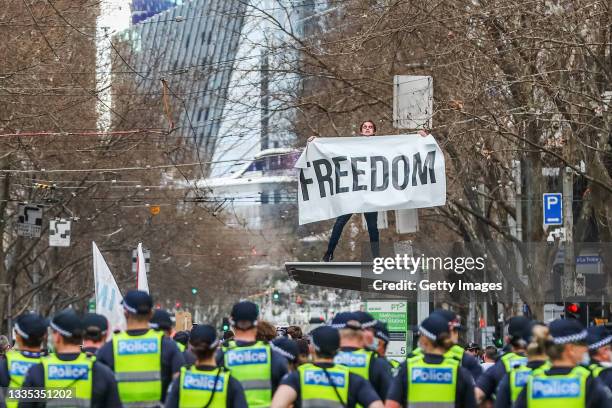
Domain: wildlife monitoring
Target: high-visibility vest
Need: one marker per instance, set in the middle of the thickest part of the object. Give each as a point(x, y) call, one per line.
point(76, 375)
point(252, 366)
point(455, 352)
point(357, 361)
point(511, 360)
point(596, 369)
point(553, 391)
point(395, 365)
point(180, 346)
point(518, 377)
point(317, 386)
point(18, 365)
point(198, 387)
point(431, 384)
point(138, 368)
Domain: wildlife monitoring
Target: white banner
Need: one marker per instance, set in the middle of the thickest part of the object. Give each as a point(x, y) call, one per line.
point(141, 271)
point(108, 296)
point(345, 175)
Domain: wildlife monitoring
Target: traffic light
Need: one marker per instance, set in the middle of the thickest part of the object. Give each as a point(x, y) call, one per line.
point(226, 324)
point(276, 296)
point(194, 291)
point(177, 305)
point(572, 311)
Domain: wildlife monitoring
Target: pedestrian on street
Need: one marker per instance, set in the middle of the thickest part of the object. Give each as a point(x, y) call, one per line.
point(431, 378)
point(489, 357)
point(143, 360)
point(30, 333)
point(91, 383)
point(566, 383)
point(252, 362)
point(355, 357)
point(204, 384)
point(96, 330)
point(323, 383)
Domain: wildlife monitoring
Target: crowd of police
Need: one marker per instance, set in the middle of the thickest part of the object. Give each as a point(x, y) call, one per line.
point(341, 364)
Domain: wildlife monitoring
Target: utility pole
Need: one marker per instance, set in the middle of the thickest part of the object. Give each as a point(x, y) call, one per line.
point(569, 267)
point(265, 100)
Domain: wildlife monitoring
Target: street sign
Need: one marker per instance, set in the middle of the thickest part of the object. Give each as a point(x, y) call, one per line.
point(553, 209)
point(59, 233)
point(395, 314)
point(147, 258)
point(412, 102)
point(29, 220)
point(580, 285)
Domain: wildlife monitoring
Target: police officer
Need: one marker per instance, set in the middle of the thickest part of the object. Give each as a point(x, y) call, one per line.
point(467, 360)
point(432, 378)
point(287, 348)
point(96, 330)
point(519, 333)
point(182, 341)
point(143, 360)
point(512, 383)
point(30, 332)
point(565, 383)
point(204, 384)
point(93, 384)
point(356, 358)
point(600, 352)
point(382, 334)
point(162, 321)
point(258, 368)
point(324, 384)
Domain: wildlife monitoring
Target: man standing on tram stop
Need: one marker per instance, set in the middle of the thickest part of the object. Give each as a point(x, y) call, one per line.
point(367, 128)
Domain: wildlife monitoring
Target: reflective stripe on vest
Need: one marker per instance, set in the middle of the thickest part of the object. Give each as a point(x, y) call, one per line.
point(76, 374)
point(552, 391)
point(511, 360)
point(138, 367)
point(196, 388)
point(252, 366)
point(431, 385)
point(18, 365)
point(358, 361)
point(316, 389)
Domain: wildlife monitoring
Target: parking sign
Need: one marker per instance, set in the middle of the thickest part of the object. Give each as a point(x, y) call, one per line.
point(553, 209)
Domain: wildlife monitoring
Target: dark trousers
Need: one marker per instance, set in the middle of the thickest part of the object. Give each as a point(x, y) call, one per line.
point(371, 221)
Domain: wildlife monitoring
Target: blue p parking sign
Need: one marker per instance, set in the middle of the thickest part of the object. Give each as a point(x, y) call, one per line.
point(553, 209)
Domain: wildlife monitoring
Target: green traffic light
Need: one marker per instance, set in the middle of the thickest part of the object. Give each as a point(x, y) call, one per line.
point(194, 291)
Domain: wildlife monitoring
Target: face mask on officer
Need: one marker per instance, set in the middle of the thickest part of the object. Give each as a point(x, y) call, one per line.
point(586, 359)
point(374, 344)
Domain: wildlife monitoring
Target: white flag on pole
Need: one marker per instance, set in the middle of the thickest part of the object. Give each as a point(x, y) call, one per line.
point(108, 296)
point(141, 271)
